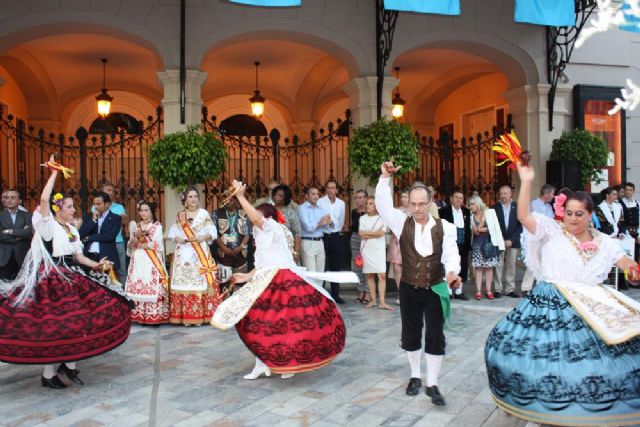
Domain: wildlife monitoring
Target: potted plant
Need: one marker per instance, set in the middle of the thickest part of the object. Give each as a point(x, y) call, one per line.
point(576, 159)
point(380, 141)
point(186, 158)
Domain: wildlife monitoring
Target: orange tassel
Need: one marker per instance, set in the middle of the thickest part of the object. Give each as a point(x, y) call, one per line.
point(66, 172)
point(508, 150)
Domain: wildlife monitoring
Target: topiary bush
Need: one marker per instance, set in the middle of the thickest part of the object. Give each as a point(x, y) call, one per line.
point(592, 152)
point(375, 143)
point(186, 158)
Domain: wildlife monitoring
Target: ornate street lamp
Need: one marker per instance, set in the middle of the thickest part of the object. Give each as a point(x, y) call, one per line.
point(257, 100)
point(398, 103)
point(104, 99)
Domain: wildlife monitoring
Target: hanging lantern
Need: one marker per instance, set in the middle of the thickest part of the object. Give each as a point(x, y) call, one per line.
point(398, 103)
point(104, 99)
point(257, 100)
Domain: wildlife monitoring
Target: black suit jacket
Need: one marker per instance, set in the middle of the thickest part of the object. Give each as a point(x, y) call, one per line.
point(515, 228)
point(19, 241)
point(446, 212)
point(106, 237)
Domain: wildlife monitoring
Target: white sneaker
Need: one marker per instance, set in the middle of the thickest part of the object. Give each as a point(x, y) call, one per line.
point(287, 376)
point(257, 372)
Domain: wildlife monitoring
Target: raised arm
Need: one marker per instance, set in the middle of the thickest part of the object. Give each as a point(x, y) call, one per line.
point(254, 216)
point(525, 217)
point(394, 218)
point(45, 209)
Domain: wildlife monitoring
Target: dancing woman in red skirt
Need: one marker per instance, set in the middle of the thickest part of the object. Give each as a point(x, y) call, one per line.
point(291, 324)
point(62, 307)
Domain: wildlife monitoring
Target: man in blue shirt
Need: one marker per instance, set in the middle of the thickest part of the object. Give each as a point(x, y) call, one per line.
point(118, 209)
point(314, 221)
point(541, 205)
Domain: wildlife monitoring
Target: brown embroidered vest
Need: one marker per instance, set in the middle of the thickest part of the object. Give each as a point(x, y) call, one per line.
point(419, 271)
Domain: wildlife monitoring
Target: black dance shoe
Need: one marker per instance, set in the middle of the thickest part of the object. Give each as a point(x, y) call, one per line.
point(72, 374)
point(55, 383)
point(338, 300)
point(434, 394)
point(413, 388)
point(462, 297)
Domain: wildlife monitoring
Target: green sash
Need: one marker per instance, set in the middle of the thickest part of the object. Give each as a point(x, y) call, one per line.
point(442, 289)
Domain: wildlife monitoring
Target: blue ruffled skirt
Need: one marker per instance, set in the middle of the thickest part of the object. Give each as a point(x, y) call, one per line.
point(546, 365)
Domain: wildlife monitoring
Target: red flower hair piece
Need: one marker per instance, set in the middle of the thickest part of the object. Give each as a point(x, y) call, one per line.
point(281, 218)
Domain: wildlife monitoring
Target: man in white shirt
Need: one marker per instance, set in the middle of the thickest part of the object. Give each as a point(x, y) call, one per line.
point(334, 236)
point(541, 205)
point(460, 216)
point(631, 214)
point(430, 261)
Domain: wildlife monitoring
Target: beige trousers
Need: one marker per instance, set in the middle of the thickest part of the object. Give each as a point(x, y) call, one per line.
point(527, 280)
point(312, 254)
point(506, 269)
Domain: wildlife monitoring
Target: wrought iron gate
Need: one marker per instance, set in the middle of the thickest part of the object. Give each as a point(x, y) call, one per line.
point(119, 159)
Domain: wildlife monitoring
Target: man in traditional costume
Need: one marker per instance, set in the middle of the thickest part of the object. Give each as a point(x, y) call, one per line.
point(430, 261)
point(631, 213)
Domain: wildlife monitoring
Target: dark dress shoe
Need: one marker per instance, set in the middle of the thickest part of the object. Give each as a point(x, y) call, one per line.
point(462, 297)
point(72, 374)
point(513, 295)
point(55, 383)
point(497, 295)
point(338, 300)
point(434, 394)
point(413, 388)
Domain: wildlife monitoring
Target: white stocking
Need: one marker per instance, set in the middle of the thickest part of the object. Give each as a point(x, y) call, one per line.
point(433, 369)
point(49, 371)
point(71, 365)
point(414, 362)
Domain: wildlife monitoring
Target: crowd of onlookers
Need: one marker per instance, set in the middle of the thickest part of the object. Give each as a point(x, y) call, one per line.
point(489, 238)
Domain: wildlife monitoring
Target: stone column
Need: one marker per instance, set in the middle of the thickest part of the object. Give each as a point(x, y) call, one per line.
point(529, 109)
point(170, 80)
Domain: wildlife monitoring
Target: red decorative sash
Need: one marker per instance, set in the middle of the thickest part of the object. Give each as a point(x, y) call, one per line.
point(207, 267)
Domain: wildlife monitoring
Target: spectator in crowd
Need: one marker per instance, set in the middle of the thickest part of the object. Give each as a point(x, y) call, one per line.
point(485, 227)
point(100, 229)
point(5, 196)
point(16, 231)
point(460, 216)
point(230, 246)
point(372, 247)
point(506, 211)
point(631, 214)
point(313, 221)
point(269, 197)
point(542, 206)
point(118, 209)
point(393, 255)
point(436, 198)
point(360, 210)
point(334, 236)
point(610, 215)
point(282, 198)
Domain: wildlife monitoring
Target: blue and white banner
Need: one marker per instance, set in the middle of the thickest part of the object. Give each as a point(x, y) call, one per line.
point(270, 3)
point(442, 7)
point(554, 13)
point(632, 22)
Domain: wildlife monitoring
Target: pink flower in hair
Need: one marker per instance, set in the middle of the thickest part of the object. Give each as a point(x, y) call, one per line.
point(558, 206)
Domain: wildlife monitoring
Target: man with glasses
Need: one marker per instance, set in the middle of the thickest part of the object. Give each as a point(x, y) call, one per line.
point(430, 264)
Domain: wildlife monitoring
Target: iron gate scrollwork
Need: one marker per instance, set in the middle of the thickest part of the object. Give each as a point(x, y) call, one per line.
point(117, 158)
point(258, 160)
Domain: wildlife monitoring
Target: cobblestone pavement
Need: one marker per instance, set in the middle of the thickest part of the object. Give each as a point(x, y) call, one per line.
point(178, 376)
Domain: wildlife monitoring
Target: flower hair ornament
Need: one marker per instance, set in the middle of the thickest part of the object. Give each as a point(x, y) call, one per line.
point(56, 202)
point(558, 206)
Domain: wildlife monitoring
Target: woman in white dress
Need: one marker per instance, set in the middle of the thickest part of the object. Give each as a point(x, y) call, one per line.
point(569, 353)
point(194, 286)
point(147, 280)
point(373, 248)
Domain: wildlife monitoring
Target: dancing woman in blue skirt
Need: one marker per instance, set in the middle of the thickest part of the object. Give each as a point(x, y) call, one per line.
point(569, 353)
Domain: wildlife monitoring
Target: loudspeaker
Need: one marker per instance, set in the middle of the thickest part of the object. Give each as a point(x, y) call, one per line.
point(564, 173)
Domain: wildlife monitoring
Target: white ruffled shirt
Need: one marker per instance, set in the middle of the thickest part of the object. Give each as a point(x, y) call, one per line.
point(272, 249)
point(50, 230)
point(551, 256)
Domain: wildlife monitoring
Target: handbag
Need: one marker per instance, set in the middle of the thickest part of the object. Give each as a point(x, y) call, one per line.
point(359, 260)
point(489, 250)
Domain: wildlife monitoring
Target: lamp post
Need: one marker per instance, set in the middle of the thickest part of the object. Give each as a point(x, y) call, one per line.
point(104, 99)
point(398, 103)
point(257, 100)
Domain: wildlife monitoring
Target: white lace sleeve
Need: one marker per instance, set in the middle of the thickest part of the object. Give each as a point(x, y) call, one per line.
point(532, 243)
point(545, 226)
point(613, 252)
point(44, 225)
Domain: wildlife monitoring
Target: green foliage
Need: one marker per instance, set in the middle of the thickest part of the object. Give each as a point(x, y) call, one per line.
point(186, 158)
point(582, 145)
point(374, 144)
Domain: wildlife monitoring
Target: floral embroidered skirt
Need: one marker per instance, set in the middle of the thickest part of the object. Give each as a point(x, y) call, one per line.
point(292, 327)
point(193, 308)
point(546, 365)
point(70, 318)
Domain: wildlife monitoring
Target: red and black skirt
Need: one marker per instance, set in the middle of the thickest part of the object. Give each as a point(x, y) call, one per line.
point(75, 314)
point(292, 327)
